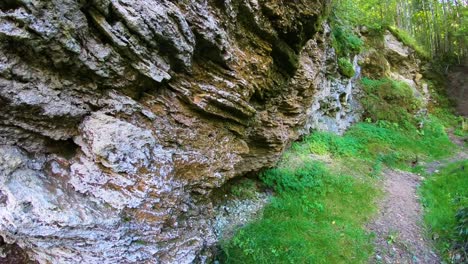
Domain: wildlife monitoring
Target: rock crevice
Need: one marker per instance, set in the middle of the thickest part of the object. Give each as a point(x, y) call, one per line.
point(118, 118)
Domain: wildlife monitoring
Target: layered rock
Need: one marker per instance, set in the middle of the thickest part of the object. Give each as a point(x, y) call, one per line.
point(393, 59)
point(118, 118)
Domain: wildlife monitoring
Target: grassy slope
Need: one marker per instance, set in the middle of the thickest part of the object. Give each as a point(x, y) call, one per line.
point(444, 195)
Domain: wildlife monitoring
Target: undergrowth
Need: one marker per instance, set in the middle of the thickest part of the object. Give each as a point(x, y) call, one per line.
point(316, 217)
point(319, 212)
point(389, 100)
point(445, 198)
point(346, 67)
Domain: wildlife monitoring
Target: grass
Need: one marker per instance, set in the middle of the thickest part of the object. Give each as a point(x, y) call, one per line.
point(326, 185)
point(319, 212)
point(316, 217)
point(445, 198)
point(384, 143)
point(458, 123)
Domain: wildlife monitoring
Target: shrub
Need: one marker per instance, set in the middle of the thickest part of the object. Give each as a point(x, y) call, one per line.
point(345, 41)
point(346, 67)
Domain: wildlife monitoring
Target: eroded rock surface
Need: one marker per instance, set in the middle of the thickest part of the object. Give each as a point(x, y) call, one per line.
point(392, 59)
point(118, 118)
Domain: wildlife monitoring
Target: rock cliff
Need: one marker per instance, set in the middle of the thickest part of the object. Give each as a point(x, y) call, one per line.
point(118, 118)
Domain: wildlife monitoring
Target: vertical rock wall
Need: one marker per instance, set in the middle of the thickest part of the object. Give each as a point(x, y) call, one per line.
point(118, 118)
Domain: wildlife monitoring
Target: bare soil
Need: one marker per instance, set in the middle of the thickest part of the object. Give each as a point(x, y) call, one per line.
point(398, 227)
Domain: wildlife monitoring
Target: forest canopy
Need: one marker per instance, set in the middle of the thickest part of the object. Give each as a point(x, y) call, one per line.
point(439, 26)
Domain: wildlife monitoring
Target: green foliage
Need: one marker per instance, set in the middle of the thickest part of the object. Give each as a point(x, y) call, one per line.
point(362, 12)
point(333, 144)
point(298, 180)
point(319, 212)
point(345, 41)
point(317, 217)
point(409, 41)
point(385, 143)
point(389, 100)
point(345, 67)
point(448, 119)
point(244, 189)
point(440, 27)
point(445, 198)
point(460, 236)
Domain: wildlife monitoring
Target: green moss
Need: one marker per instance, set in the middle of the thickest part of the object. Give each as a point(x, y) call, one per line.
point(389, 100)
point(345, 67)
point(445, 198)
point(345, 41)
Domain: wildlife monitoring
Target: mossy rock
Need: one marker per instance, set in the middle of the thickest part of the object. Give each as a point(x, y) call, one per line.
point(346, 68)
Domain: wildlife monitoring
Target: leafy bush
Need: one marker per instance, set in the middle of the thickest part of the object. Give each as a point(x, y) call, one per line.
point(345, 41)
point(346, 67)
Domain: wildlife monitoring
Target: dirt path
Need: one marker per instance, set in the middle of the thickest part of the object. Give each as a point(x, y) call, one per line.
point(399, 234)
point(400, 237)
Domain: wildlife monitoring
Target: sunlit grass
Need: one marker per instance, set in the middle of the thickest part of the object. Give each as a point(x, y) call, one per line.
point(444, 195)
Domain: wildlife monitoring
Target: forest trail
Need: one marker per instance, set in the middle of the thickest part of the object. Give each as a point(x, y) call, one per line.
point(399, 233)
point(398, 227)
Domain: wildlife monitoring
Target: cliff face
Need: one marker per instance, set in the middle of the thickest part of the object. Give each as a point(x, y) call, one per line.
point(118, 118)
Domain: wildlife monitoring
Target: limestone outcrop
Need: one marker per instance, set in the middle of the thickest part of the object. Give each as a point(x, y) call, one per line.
point(118, 118)
point(392, 59)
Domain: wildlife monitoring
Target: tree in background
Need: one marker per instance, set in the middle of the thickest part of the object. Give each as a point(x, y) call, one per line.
point(440, 26)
